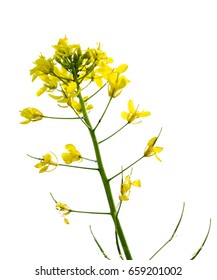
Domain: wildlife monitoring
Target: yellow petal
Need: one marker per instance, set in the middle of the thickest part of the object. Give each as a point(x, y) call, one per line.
point(40, 165)
point(70, 148)
point(68, 158)
point(136, 183)
point(144, 114)
point(123, 197)
point(124, 115)
point(25, 122)
point(131, 106)
point(66, 221)
point(121, 68)
point(152, 141)
point(47, 158)
point(41, 90)
point(55, 96)
point(71, 87)
point(157, 149)
point(44, 169)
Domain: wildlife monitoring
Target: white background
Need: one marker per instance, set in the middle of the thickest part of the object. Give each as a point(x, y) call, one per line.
point(170, 47)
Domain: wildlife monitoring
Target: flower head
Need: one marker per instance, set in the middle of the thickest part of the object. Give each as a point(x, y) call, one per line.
point(31, 115)
point(50, 84)
point(43, 66)
point(151, 150)
point(46, 162)
point(64, 209)
point(133, 113)
point(126, 187)
point(116, 83)
point(72, 155)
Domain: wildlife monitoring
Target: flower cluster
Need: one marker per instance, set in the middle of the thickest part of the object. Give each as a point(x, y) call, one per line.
point(71, 67)
point(31, 115)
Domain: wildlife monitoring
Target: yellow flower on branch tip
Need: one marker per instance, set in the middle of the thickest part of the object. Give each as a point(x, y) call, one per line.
point(50, 84)
point(31, 115)
point(46, 162)
point(64, 50)
point(151, 150)
point(43, 66)
point(72, 155)
point(126, 187)
point(133, 113)
point(64, 209)
point(116, 84)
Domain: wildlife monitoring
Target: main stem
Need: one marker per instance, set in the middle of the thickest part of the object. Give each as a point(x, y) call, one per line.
point(106, 183)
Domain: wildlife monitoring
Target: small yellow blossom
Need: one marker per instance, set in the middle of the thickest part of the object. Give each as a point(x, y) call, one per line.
point(72, 155)
point(133, 113)
point(46, 162)
point(31, 115)
point(64, 50)
point(64, 209)
point(77, 106)
point(150, 150)
point(50, 84)
point(116, 84)
point(43, 66)
point(126, 187)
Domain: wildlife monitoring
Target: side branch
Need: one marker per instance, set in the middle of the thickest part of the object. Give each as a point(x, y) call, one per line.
point(66, 165)
point(121, 172)
point(171, 238)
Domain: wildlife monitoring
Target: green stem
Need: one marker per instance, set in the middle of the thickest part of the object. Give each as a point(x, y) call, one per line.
point(60, 118)
point(201, 247)
point(90, 212)
point(97, 91)
point(103, 113)
point(82, 212)
point(88, 159)
point(121, 172)
point(171, 238)
point(113, 133)
point(106, 183)
point(67, 165)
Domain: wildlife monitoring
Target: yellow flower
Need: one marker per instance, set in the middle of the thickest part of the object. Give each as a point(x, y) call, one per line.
point(133, 113)
point(72, 155)
point(64, 209)
point(43, 66)
point(150, 150)
point(116, 84)
point(77, 106)
point(126, 187)
point(50, 84)
point(64, 50)
point(31, 115)
point(46, 162)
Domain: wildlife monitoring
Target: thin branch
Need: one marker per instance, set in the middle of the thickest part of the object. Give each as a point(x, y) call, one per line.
point(97, 91)
point(126, 168)
point(113, 133)
point(174, 232)
point(103, 114)
point(82, 212)
point(66, 165)
point(99, 246)
point(60, 118)
point(201, 247)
